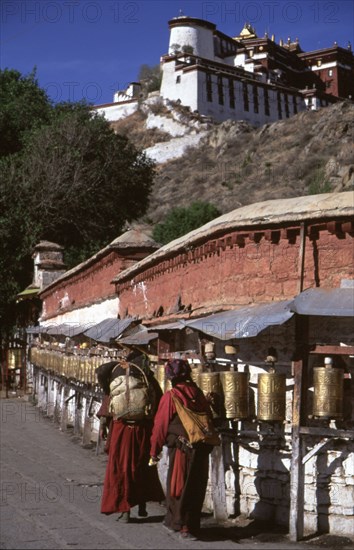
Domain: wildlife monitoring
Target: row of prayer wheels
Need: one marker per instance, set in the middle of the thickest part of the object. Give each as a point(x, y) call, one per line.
point(230, 392)
point(79, 367)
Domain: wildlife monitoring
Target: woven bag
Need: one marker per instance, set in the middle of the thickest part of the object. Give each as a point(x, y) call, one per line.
point(198, 425)
point(130, 396)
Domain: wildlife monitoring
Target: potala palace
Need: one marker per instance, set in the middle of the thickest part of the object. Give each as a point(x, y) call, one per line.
point(243, 77)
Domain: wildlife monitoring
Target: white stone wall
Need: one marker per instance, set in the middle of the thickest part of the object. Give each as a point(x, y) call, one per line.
point(166, 124)
point(90, 315)
point(200, 38)
point(172, 149)
point(191, 90)
point(185, 91)
point(116, 111)
point(329, 490)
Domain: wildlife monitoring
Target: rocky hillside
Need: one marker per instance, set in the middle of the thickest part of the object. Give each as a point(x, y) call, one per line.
point(233, 164)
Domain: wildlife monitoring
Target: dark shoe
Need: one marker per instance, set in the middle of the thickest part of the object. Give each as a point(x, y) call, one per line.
point(124, 517)
point(142, 512)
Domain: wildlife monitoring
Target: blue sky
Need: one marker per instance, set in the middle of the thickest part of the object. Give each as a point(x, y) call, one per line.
point(91, 48)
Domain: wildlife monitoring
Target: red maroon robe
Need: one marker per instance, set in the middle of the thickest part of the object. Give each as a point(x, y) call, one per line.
point(129, 480)
point(188, 469)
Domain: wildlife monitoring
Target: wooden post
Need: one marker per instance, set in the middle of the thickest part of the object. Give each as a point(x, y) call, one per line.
point(64, 409)
point(218, 484)
point(6, 372)
point(302, 256)
point(299, 365)
point(56, 415)
point(296, 522)
point(86, 436)
point(77, 417)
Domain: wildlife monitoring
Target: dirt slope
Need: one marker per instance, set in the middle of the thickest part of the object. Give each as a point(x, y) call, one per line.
point(236, 164)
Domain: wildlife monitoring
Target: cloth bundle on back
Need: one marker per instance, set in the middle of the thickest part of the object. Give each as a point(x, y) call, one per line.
point(129, 481)
point(188, 469)
point(132, 397)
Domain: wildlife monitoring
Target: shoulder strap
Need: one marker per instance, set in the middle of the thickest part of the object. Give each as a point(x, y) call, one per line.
point(178, 403)
point(126, 366)
point(142, 372)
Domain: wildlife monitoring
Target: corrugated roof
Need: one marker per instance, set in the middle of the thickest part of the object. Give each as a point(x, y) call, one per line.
point(310, 207)
point(334, 302)
point(176, 325)
point(244, 322)
point(108, 329)
point(66, 329)
point(139, 336)
point(36, 329)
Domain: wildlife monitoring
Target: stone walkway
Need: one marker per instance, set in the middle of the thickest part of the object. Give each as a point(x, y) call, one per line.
point(50, 498)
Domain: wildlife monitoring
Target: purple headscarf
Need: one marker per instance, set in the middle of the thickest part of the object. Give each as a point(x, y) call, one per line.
point(177, 368)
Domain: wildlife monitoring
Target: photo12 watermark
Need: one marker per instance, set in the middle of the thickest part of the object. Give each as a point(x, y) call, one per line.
point(49, 493)
point(271, 12)
point(69, 11)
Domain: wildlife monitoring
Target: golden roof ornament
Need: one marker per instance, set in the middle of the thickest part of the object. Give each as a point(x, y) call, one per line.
point(247, 32)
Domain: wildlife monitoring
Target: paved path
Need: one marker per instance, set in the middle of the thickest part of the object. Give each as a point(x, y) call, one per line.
point(51, 490)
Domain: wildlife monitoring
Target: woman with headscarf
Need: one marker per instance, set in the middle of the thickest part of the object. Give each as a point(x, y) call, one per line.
point(128, 480)
point(188, 469)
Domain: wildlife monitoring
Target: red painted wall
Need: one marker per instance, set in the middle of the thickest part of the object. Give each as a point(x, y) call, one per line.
point(231, 275)
point(88, 286)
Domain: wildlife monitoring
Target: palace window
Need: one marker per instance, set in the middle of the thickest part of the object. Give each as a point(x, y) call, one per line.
point(231, 93)
point(220, 91)
point(178, 79)
point(209, 90)
point(255, 98)
point(279, 105)
point(266, 102)
point(294, 105)
point(286, 105)
point(245, 96)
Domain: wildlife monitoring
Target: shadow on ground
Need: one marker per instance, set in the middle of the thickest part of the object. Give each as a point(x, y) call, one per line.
point(255, 531)
point(264, 532)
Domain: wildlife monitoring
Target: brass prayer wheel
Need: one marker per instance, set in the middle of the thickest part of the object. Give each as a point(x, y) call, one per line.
point(160, 375)
point(328, 391)
point(33, 355)
point(14, 358)
point(235, 388)
point(195, 371)
point(271, 397)
point(209, 383)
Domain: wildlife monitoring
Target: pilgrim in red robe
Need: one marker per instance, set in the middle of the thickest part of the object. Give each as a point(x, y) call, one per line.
point(129, 481)
point(188, 470)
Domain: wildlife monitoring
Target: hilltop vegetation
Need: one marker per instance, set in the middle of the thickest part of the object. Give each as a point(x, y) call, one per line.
point(236, 164)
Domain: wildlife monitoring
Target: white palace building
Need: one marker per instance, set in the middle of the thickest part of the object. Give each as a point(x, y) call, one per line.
point(243, 77)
